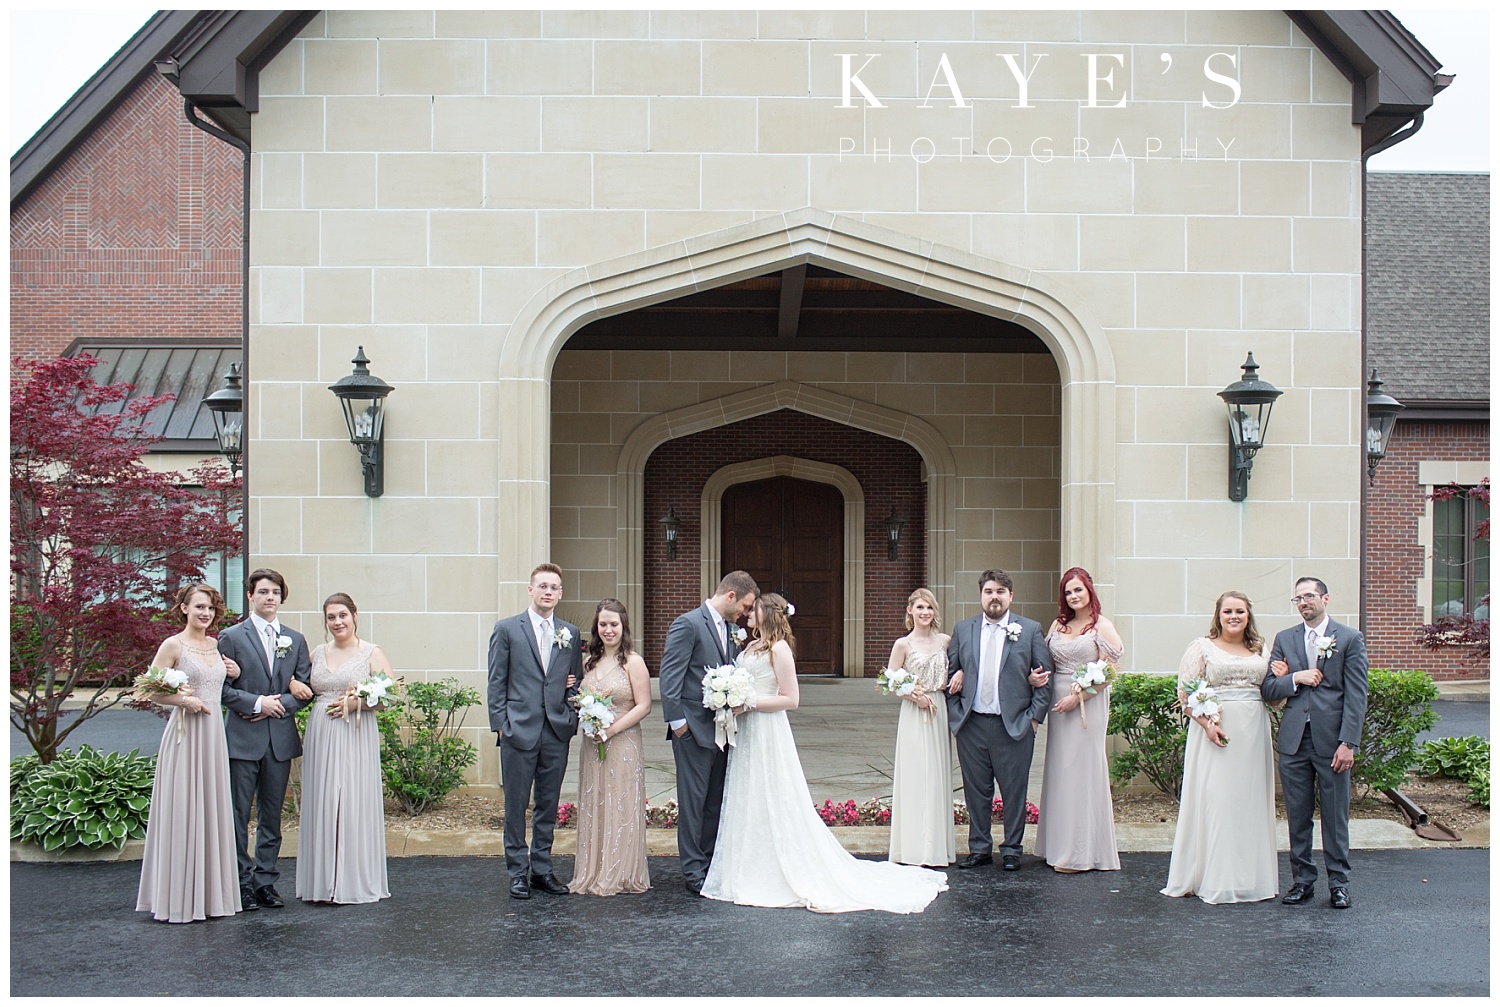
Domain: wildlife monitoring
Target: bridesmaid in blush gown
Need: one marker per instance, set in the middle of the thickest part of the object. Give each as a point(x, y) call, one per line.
point(612, 791)
point(1076, 831)
point(188, 871)
point(341, 845)
point(1225, 846)
point(922, 783)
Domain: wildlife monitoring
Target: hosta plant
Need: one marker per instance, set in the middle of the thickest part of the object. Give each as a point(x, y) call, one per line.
point(82, 798)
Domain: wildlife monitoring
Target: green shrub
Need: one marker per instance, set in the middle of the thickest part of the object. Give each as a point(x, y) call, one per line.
point(1143, 708)
point(85, 798)
point(1466, 759)
point(1399, 709)
point(421, 755)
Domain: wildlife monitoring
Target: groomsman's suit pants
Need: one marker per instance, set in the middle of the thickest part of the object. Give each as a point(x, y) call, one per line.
point(536, 772)
point(986, 754)
point(1300, 773)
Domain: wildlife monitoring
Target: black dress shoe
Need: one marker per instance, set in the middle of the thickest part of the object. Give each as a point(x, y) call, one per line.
point(975, 860)
point(1010, 862)
point(266, 895)
point(1297, 894)
point(247, 899)
point(519, 889)
point(1338, 898)
point(693, 886)
point(548, 884)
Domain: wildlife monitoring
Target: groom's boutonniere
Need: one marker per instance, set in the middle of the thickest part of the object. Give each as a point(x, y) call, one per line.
point(283, 646)
point(1325, 646)
point(1013, 631)
point(739, 634)
point(562, 638)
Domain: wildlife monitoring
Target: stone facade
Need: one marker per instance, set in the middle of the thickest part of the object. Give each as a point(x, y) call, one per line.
point(459, 192)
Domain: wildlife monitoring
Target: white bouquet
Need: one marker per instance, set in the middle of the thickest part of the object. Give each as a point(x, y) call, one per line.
point(896, 682)
point(724, 688)
point(1203, 701)
point(1087, 679)
point(156, 681)
point(595, 713)
point(377, 690)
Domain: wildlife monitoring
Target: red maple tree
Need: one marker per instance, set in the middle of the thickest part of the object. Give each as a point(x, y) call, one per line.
point(98, 543)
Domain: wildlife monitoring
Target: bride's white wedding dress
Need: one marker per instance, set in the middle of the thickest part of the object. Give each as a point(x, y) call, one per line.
point(774, 850)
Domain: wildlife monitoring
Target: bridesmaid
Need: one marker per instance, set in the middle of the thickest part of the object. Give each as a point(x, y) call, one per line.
point(1225, 846)
point(1076, 831)
point(922, 784)
point(341, 845)
point(189, 872)
point(612, 791)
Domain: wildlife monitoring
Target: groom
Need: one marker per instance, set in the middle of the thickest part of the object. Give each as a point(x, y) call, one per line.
point(994, 711)
point(532, 656)
point(1321, 670)
point(703, 638)
point(262, 738)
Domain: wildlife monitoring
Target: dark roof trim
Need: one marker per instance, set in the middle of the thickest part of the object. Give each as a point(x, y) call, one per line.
point(1394, 77)
point(101, 95)
point(1454, 411)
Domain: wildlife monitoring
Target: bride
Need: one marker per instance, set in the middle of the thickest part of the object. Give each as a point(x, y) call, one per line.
point(772, 849)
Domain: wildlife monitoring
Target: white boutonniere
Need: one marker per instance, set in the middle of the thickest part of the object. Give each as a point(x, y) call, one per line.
point(738, 634)
point(283, 646)
point(1013, 631)
point(1325, 646)
point(562, 638)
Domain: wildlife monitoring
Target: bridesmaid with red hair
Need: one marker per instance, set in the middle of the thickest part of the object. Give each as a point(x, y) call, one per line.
point(1076, 831)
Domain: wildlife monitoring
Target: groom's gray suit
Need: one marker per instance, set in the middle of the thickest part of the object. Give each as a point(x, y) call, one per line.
point(1317, 719)
point(692, 647)
point(997, 748)
point(529, 710)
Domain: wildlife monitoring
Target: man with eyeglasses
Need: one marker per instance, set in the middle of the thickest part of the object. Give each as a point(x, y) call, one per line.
point(1321, 670)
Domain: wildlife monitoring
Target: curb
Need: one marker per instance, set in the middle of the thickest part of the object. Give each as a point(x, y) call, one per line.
point(869, 840)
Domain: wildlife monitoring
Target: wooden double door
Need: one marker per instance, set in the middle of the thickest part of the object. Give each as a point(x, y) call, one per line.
point(789, 535)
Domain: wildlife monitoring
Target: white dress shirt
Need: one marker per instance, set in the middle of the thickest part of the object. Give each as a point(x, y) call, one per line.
point(542, 628)
point(991, 634)
point(267, 644)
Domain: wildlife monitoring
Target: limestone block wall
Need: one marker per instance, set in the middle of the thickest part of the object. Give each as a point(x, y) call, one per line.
point(458, 191)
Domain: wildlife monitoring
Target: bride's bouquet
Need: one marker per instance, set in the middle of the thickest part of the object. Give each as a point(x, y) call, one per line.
point(595, 713)
point(896, 682)
point(1203, 701)
point(1087, 679)
point(724, 688)
point(156, 681)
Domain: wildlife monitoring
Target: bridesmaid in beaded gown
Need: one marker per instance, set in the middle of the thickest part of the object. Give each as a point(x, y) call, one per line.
point(922, 782)
point(1076, 831)
point(188, 871)
point(341, 843)
point(1225, 846)
point(612, 791)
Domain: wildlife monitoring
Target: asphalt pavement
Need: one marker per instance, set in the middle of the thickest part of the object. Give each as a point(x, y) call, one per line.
point(1419, 927)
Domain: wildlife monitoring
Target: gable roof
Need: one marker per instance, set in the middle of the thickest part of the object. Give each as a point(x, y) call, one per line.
point(1427, 285)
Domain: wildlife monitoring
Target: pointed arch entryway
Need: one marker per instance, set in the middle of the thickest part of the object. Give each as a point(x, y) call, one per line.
point(1037, 301)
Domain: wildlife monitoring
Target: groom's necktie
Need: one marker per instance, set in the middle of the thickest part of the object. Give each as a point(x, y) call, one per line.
point(989, 667)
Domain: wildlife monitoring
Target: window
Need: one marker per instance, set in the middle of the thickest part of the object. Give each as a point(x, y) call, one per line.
point(1460, 557)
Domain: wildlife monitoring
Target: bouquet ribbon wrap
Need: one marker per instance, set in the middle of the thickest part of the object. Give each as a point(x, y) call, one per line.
point(724, 728)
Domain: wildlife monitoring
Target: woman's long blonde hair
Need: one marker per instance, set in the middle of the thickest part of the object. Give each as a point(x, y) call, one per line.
point(772, 622)
point(922, 594)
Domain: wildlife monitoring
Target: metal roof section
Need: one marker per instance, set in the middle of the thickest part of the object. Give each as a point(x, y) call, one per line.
point(187, 371)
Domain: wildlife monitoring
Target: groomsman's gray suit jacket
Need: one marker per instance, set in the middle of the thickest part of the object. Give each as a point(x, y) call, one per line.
point(278, 735)
point(521, 696)
point(692, 646)
point(1335, 708)
point(1019, 702)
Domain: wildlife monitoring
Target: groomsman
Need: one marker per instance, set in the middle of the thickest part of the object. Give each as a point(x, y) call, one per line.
point(703, 638)
point(997, 698)
point(532, 656)
point(260, 733)
point(1321, 670)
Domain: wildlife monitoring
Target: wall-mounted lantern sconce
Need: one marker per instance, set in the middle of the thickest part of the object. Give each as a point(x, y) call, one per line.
point(227, 407)
point(893, 533)
point(362, 395)
point(1249, 401)
point(1380, 412)
point(669, 524)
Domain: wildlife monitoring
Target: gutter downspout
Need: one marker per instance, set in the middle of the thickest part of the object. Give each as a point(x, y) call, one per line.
point(191, 111)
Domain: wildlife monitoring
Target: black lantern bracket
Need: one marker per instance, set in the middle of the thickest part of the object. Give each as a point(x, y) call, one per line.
point(1380, 421)
point(1249, 401)
point(893, 526)
point(227, 407)
point(362, 396)
point(670, 522)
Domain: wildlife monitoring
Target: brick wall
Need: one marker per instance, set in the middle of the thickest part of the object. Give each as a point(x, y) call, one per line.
point(136, 233)
point(889, 472)
point(1397, 554)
